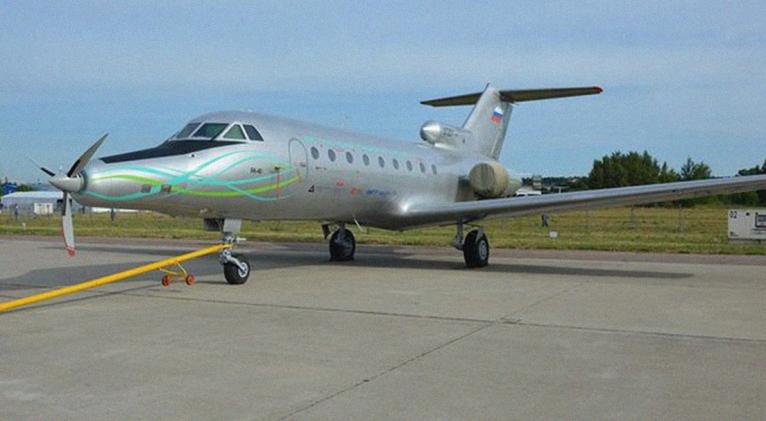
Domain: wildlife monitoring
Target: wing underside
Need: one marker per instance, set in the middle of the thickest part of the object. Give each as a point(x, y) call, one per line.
point(589, 199)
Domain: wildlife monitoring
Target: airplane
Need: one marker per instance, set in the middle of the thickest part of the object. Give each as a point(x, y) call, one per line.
point(225, 167)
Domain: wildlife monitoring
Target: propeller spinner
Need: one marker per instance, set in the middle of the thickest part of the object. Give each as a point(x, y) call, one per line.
point(71, 182)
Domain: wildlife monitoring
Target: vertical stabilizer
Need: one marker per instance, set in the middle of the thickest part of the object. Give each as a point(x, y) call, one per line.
point(488, 123)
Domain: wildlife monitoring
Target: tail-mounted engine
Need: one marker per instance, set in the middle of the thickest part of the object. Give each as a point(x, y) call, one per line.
point(435, 132)
point(490, 180)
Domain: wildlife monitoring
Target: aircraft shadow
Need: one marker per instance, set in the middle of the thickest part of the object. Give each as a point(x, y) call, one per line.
point(312, 254)
point(292, 256)
point(64, 276)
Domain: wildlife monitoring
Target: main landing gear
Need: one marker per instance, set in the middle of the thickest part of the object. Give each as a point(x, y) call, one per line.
point(342, 244)
point(475, 246)
point(236, 267)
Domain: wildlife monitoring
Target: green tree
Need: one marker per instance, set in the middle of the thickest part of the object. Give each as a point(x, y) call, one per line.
point(696, 171)
point(629, 169)
point(753, 198)
point(667, 174)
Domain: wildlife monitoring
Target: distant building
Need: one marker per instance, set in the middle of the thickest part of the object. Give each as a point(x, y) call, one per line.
point(38, 186)
point(526, 191)
point(34, 202)
point(43, 203)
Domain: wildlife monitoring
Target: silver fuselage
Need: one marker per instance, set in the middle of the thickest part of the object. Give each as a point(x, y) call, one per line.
point(288, 176)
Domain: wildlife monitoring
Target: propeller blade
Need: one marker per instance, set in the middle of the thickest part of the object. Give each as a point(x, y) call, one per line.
point(45, 170)
point(82, 161)
point(67, 227)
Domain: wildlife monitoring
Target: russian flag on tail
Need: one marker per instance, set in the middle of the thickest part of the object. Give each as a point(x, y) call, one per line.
point(497, 115)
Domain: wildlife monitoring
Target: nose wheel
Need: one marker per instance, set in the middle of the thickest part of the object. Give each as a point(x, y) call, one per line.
point(236, 267)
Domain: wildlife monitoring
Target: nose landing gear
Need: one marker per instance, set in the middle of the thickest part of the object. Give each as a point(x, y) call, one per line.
point(236, 267)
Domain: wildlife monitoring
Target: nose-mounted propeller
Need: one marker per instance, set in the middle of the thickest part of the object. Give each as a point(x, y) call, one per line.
point(71, 182)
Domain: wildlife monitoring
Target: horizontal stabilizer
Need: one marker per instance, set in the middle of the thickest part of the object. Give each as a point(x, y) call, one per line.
point(515, 96)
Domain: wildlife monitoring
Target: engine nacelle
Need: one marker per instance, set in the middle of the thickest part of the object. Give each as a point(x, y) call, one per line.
point(435, 132)
point(490, 180)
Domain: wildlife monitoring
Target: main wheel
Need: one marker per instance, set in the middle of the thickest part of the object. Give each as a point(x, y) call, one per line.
point(476, 250)
point(233, 273)
point(342, 246)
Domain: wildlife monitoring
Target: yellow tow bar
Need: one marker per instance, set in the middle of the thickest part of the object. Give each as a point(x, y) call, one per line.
point(173, 261)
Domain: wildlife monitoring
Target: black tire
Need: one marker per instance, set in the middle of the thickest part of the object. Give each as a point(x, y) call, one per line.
point(476, 250)
point(342, 251)
point(232, 272)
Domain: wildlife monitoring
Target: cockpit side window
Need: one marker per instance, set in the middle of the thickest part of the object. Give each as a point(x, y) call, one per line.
point(252, 133)
point(186, 131)
point(235, 132)
point(210, 130)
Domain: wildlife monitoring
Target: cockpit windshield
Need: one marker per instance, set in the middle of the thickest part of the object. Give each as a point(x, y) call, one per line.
point(235, 132)
point(186, 131)
point(213, 130)
point(210, 130)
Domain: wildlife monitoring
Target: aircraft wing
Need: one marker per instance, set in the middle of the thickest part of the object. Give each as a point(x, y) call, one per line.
point(589, 199)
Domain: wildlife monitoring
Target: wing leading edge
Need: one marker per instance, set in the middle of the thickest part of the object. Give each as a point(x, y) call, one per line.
point(589, 199)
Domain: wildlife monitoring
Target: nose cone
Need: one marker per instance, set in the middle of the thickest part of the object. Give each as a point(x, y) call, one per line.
point(67, 184)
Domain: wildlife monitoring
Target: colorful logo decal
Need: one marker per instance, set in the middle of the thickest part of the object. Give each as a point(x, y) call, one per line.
point(207, 179)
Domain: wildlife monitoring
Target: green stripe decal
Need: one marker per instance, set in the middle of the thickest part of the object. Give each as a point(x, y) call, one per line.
point(196, 182)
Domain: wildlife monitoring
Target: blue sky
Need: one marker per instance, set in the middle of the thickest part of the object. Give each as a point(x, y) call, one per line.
point(680, 78)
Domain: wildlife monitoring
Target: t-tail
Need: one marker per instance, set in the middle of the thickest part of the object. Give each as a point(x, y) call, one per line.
point(484, 129)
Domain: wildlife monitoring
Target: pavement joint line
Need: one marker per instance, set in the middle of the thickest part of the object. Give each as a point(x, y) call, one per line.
point(91, 295)
point(502, 321)
point(321, 309)
point(635, 332)
point(24, 286)
point(542, 300)
point(380, 374)
point(129, 292)
point(505, 320)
